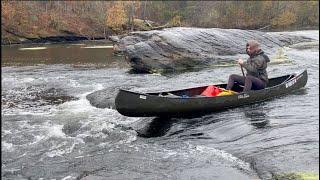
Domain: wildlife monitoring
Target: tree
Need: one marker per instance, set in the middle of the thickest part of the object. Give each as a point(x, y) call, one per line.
point(287, 18)
point(116, 16)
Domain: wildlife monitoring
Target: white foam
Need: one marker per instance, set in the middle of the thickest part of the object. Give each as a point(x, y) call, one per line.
point(55, 153)
point(37, 139)
point(5, 132)
point(96, 47)
point(63, 148)
point(195, 151)
point(33, 48)
point(68, 178)
point(74, 83)
point(27, 80)
point(80, 137)
point(82, 105)
point(7, 146)
point(226, 156)
point(78, 157)
point(170, 154)
point(24, 112)
point(56, 131)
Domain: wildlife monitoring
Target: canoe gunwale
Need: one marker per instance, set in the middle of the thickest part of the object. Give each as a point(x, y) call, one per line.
point(178, 97)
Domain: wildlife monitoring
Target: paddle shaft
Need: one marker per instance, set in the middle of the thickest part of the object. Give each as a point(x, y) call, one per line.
point(242, 71)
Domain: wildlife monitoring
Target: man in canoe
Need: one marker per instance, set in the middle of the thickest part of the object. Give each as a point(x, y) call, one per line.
point(256, 65)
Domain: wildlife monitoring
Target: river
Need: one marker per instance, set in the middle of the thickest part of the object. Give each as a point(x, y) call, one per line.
point(50, 130)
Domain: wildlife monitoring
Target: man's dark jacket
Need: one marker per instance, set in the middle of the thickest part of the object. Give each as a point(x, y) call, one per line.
point(256, 65)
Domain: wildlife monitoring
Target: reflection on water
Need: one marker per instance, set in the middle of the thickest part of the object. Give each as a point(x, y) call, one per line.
point(156, 128)
point(160, 126)
point(87, 53)
point(257, 115)
point(258, 119)
point(302, 91)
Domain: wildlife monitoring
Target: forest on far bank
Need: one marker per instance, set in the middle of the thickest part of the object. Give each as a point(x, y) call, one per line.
point(23, 20)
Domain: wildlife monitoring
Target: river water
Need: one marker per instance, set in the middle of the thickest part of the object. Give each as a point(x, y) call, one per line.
point(50, 130)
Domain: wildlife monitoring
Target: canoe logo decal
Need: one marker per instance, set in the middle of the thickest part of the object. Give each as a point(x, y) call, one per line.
point(142, 97)
point(243, 96)
point(290, 83)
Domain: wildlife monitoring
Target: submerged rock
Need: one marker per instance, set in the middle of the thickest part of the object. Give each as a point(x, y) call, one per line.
point(180, 48)
point(35, 96)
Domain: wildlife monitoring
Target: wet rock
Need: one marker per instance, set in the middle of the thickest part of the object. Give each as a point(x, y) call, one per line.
point(114, 39)
point(103, 98)
point(179, 48)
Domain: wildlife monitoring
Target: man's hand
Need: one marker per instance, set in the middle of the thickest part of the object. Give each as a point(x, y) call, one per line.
point(240, 61)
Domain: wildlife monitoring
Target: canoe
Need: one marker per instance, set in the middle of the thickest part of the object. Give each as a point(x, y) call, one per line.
point(187, 102)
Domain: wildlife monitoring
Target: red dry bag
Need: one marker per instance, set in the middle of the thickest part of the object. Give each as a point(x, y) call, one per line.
point(211, 91)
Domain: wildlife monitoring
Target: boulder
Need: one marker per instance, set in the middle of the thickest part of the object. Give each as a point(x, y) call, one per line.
point(180, 48)
point(103, 98)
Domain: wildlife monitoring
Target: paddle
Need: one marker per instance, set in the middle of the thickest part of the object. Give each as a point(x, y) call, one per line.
point(242, 71)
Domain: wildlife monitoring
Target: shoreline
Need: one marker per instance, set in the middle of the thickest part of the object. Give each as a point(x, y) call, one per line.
point(51, 40)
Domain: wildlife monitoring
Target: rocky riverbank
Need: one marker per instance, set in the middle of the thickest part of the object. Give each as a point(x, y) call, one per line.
point(180, 48)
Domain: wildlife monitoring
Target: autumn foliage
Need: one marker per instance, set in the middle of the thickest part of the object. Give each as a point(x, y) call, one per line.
point(116, 16)
point(36, 19)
